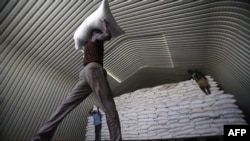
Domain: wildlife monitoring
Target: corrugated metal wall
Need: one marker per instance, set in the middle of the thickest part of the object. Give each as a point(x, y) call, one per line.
point(164, 38)
point(229, 51)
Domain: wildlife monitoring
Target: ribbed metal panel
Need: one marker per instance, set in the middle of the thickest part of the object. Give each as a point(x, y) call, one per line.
point(164, 38)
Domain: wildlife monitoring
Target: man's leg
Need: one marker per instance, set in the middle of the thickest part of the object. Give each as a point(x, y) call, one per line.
point(208, 89)
point(95, 76)
point(98, 132)
point(78, 94)
point(203, 85)
point(203, 89)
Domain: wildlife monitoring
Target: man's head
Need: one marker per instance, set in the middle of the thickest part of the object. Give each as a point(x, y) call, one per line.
point(190, 71)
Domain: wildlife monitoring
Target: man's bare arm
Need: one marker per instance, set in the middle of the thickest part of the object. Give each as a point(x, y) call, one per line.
point(106, 35)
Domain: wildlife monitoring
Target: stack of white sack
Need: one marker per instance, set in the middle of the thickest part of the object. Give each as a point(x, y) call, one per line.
point(173, 111)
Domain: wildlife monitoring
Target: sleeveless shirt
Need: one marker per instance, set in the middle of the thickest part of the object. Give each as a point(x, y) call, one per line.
point(93, 52)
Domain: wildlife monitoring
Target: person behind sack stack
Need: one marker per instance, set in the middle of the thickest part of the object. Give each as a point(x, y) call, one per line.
point(201, 79)
point(97, 121)
point(92, 78)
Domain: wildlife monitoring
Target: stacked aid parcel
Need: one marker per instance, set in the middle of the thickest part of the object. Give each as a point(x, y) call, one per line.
point(176, 110)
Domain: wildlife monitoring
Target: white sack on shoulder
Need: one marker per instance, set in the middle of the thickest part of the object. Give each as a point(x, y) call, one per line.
point(83, 32)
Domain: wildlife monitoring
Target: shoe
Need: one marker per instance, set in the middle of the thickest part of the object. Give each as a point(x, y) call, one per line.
point(38, 138)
